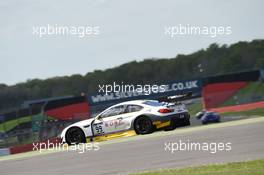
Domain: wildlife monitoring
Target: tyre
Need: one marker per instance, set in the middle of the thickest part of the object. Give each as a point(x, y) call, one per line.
point(143, 125)
point(75, 135)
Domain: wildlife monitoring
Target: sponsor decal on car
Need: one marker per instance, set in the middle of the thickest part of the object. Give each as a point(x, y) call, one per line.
point(115, 123)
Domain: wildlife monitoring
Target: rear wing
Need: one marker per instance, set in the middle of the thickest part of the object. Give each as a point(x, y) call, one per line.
point(175, 98)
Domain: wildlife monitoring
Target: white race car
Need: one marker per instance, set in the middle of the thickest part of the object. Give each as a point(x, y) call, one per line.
point(142, 116)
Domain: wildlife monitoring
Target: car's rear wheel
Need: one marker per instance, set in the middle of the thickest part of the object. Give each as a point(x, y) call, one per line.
point(143, 125)
point(75, 135)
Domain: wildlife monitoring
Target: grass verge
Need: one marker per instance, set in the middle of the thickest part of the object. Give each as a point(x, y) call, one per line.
point(254, 112)
point(194, 108)
point(254, 91)
point(255, 167)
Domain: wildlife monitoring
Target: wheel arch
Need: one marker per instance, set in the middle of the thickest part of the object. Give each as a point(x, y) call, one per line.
point(141, 115)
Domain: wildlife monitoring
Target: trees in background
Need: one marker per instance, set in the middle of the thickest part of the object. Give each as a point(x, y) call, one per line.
point(216, 59)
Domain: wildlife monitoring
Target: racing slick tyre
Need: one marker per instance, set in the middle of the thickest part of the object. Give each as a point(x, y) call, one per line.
point(143, 125)
point(75, 135)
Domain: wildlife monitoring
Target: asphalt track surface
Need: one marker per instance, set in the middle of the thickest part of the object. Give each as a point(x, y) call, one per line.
point(141, 153)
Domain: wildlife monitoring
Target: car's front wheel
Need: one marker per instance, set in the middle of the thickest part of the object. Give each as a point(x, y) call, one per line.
point(75, 135)
point(143, 125)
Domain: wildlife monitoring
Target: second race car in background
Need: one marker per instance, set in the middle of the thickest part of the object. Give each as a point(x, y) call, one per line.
point(208, 117)
point(142, 116)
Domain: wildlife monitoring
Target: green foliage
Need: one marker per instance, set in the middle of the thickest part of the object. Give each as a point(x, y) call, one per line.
point(214, 60)
point(237, 168)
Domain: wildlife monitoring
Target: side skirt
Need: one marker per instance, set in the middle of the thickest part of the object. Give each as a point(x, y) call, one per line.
point(121, 134)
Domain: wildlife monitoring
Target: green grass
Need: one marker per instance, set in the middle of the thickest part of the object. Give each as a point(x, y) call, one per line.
point(255, 167)
point(254, 112)
point(253, 91)
point(6, 126)
point(247, 94)
point(194, 108)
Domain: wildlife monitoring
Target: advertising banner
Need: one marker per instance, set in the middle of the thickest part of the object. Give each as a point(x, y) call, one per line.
point(118, 93)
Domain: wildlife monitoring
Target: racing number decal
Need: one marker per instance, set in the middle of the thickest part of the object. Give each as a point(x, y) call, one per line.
point(99, 129)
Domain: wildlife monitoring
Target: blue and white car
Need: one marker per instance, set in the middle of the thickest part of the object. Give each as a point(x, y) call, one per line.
point(208, 117)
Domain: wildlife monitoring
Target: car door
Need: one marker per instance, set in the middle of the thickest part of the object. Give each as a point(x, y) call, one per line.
point(110, 121)
point(122, 119)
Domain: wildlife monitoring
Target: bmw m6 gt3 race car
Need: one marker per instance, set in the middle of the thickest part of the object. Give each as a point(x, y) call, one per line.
point(142, 116)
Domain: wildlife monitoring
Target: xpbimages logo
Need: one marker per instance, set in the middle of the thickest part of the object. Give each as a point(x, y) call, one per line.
point(58, 146)
point(63, 30)
point(211, 147)
point(146, 89)
point(192, 30)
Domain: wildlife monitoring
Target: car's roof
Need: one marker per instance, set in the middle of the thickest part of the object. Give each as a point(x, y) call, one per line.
point(133, 102)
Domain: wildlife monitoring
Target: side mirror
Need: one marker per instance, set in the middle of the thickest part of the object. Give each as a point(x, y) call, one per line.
point(98, 117)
